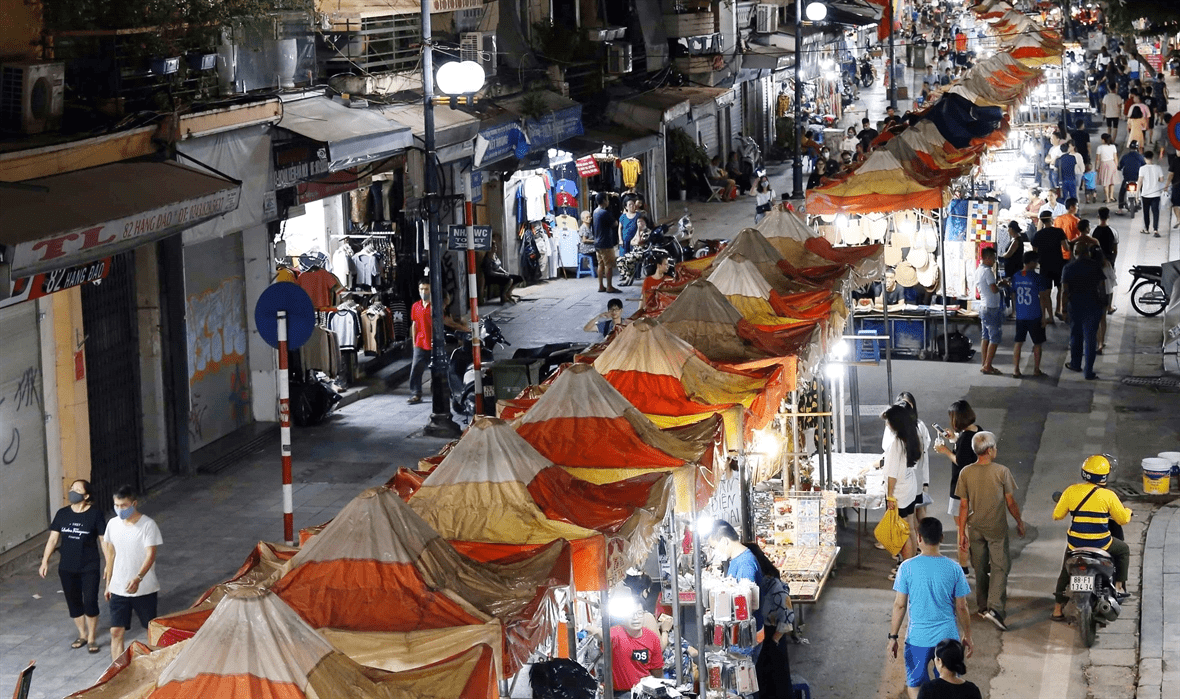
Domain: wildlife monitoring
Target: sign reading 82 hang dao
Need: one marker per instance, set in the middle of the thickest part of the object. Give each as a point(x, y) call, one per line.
point(97, 241)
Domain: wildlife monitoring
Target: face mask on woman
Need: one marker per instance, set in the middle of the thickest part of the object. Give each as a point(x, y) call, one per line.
point(75, 497)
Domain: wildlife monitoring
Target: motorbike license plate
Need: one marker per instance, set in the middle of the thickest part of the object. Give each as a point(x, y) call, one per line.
point(1081, 583)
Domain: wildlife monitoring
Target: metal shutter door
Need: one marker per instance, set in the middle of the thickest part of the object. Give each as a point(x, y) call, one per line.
point(707, 134)
point(24, 489)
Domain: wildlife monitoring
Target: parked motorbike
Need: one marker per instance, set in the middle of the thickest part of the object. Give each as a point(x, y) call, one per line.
point(1091, 587)
point(1148, 296)
point(553, 355)
point(461, 369)
point(643, 253)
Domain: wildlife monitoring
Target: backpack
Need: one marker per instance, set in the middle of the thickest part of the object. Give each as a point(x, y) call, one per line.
point(960, 345)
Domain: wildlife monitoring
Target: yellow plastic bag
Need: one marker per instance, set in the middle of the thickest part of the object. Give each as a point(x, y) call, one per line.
point(892, 532)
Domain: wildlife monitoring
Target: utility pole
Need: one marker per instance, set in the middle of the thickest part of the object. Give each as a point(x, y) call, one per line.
point(892, 72)
point(441, 423)
point(797, 162)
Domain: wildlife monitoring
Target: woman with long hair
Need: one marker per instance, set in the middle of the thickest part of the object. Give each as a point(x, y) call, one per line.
point(963, 430)
point(905, 398)
point(1108, 167)
point(903, 451)
point(950, 667)
point(79, 528)
point(773, 664)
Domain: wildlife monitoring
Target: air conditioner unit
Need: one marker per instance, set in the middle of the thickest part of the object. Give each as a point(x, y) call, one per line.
point(32, 96)
point(481, 48)
point(618, 58)
point(767, 21)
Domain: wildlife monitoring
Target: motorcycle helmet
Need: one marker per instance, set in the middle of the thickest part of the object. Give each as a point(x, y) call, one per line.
point(1096, 469)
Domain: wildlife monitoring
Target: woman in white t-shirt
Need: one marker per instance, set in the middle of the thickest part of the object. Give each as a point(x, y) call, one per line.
point(903, 452)
point(1108, 167)
point(763, 199)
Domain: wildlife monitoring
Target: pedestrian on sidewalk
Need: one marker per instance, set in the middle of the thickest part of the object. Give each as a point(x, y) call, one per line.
point(1070, 168)
point(1174, 184)
point(1051, 246)
point(1107, 155)
point(628, 221)
point(963, 429)
point(1082, 284)
point(949, 669)
point(1109, 241)
point(1092, 507)
point(421, 330)
point(764, 199)
point(1034, 311)
point(79, 528)
point(606, 239)
point(131, 582)
point(907, 400)
point(986, 489)
point(991, 314)
point(902, 447)
point(933, 592)
point(1068, 222)
point(1151, 188)
point(1112, 109)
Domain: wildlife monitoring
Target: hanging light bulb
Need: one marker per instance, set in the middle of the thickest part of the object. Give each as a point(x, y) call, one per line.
point(817, 11)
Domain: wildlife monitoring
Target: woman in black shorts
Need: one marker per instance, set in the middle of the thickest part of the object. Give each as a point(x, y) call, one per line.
point(963, 430)
point(79, 527)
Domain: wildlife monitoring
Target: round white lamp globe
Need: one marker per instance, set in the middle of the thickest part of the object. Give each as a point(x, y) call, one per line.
point(816, 11)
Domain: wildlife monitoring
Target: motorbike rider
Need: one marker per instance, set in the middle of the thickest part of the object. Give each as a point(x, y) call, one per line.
point(1095, 509)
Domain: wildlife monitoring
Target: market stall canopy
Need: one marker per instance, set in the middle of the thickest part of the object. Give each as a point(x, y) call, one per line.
point(877, 185)
point(963, 123)
point(478, 498)
point(750, 244)
point(671, 383)
point(86, 215)
point(452, 127)
point(705, 319)
point(582, 408)
point(352, 136)
point(255, 645)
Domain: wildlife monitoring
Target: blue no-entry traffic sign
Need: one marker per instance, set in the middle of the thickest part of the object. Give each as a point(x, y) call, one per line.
point(285, 296)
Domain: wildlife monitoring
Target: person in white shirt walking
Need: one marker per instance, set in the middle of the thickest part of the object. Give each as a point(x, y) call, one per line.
point(1151, 188)
point(131, 582)
point(1112, 110)
point(991, 313)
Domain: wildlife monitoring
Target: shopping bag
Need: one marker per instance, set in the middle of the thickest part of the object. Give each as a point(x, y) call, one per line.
point(892, 532)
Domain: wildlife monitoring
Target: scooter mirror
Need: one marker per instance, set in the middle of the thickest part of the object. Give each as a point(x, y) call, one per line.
point(1056, 495)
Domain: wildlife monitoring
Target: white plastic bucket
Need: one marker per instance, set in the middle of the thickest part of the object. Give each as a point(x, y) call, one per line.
point(1172, 457)
point(1157, 476)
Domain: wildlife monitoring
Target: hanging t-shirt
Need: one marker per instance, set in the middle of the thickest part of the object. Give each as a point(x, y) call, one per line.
point(79, 538)
point(368, 268)
point(346, 324)
point(565, 199)
point(565, 186)
point(631, 169)
point(342, 264)
point(130, 542)
point(1027, 287)
point(535, 191)
point(320, 285)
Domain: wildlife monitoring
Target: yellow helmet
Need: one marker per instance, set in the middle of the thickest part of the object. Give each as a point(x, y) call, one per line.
point(1097, 468)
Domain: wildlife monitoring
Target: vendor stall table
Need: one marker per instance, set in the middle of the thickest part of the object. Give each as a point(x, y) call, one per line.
point(849, 468)
point(914, 330)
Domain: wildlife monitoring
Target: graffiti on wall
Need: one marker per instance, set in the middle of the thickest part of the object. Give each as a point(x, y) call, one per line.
point(216, 329)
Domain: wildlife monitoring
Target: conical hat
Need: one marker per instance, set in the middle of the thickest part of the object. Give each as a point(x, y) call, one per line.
point(906, 274)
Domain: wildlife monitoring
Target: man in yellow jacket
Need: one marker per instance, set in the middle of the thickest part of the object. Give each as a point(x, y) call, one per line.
point(1093, 507)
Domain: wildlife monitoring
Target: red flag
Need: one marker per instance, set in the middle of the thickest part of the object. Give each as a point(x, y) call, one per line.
point(886, 18)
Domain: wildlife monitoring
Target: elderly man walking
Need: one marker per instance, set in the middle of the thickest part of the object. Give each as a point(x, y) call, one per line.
point(986, 489)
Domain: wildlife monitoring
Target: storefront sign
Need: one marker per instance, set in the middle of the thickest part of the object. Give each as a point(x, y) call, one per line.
point(437, 6)
point(476, 186)
point(726, 503)
point(457, 238)
point(115, 236)
point(503, 140)
point(46, 283)
point(298, 161)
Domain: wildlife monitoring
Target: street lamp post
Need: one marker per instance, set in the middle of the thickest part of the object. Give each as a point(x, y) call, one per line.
point(816, 12)
point(441, 423)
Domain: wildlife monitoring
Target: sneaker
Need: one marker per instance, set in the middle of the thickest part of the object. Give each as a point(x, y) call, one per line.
point(996, 618)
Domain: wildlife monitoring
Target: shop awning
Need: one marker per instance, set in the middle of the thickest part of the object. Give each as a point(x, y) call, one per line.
point(514, 133)
point(626, 142)
point(352, 136)
point(451, 126)
point(83, 216)
point(767, 58)
point(649, 110)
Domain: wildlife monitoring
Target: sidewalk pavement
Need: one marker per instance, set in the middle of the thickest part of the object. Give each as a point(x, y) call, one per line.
point(1159, 629)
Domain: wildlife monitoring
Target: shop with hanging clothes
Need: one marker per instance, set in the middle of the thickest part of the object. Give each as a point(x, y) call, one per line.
point(533, 177)
point(339, 175)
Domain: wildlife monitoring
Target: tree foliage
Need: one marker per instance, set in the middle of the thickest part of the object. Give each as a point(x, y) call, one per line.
point(1160, 17)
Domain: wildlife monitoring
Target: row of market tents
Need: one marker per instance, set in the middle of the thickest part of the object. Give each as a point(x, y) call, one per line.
point(443, 581)
point(913, 163)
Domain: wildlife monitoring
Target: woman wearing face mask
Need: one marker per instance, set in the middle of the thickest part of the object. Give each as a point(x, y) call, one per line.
point(79, 527)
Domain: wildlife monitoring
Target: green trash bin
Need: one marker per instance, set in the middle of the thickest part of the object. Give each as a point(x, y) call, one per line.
point(511, 376)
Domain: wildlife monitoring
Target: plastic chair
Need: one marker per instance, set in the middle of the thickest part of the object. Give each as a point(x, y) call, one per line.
point(591, 262)
point(868, 350)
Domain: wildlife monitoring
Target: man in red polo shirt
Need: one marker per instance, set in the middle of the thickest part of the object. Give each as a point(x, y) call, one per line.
point(421, 329)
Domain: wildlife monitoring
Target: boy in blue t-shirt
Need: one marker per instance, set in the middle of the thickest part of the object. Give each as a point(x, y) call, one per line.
point(1034, 304)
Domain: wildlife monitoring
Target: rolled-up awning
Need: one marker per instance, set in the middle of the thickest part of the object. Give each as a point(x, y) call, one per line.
point(352, 136)
point(83, 216)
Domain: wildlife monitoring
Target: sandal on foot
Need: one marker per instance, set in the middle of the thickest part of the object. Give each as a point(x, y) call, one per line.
point(92, 648)
point(1017, 375)
point(1038, 372)
point(78, 643)
point(1057, 617)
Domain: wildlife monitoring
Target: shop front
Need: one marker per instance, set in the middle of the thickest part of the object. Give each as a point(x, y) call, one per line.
point(84, 251)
